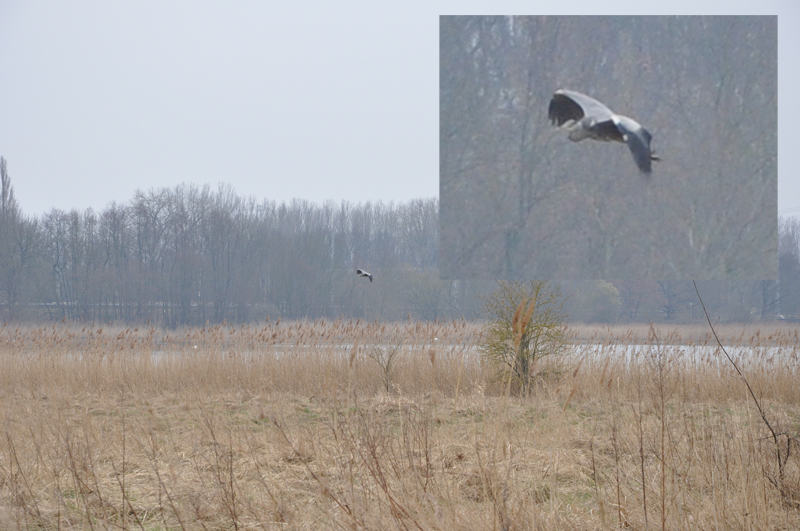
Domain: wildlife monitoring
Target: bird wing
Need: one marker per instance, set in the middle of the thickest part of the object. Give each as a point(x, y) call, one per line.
point(638, 140)
point(359, 272)
point(607, 130)
point(568, 105)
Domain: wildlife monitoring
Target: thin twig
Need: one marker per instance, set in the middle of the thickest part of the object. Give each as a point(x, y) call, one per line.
point(775, 435)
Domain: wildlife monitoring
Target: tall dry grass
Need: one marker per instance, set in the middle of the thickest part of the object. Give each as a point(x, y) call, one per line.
point(353, 425)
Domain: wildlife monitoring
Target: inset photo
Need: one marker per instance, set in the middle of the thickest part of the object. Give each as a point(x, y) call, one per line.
point(635, 147)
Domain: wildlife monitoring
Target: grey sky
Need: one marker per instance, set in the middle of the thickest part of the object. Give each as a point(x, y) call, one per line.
point(304, 99)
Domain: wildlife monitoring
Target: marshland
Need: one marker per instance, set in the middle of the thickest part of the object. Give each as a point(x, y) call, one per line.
point(369, 425)
point(389, 417)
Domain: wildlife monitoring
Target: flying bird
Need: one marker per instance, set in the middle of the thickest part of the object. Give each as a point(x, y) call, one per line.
point(362, 273)
point(585, 117)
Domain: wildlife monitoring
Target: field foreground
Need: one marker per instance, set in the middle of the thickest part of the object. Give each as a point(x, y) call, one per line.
point(391, 426)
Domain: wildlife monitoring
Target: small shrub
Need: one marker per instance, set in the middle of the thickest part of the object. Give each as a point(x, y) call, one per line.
point(525, 323)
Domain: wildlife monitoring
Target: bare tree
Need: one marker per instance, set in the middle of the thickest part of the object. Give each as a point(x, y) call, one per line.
point(674, 297)
point(789, 268)
point(768, 289)
point(18, 247)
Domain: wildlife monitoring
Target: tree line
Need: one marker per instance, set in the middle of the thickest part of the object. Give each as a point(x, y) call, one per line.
point(191, 255)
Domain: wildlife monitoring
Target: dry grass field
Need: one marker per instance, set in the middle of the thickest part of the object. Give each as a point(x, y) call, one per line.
point(352, 425)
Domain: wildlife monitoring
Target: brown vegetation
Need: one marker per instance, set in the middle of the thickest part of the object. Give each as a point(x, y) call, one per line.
point(745, 334)
point(290, 425)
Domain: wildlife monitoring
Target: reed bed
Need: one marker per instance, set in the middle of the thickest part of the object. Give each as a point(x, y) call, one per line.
point(358, 425)
point(762, 334)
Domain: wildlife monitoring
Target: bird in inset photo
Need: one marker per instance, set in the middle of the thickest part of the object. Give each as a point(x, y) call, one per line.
point(362, 273)
point(585, 117)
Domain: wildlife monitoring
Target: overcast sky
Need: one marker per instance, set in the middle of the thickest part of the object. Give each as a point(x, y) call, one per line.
point(312, 100)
